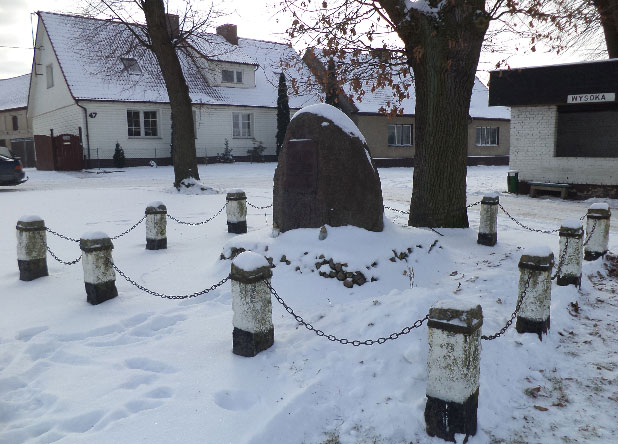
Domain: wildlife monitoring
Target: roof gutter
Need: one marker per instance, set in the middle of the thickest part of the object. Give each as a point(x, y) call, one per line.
point(87, 130)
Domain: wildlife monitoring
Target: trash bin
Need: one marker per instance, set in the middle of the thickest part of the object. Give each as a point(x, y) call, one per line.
point(512, 181)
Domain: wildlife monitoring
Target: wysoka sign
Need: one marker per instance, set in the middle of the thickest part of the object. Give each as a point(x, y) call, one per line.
point(590, 98)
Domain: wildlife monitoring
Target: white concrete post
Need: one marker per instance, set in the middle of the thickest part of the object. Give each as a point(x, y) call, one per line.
point(535, 268)
point(252, 305)
point(99, 274)
point(598, 217)
point(570, 256)
point(453, 368)
point(156, 226)
point(31, 248)
point(488, 226)
point(236, 210)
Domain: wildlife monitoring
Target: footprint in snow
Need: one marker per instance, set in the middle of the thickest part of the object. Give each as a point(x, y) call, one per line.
point(149, 365)
point(138, 380)
point(235, 399)
point(81, 423)
point(29, 333)
point(156, 324)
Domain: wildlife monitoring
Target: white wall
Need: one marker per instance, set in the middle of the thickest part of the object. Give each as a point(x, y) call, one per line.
point(214, 125)
point(110, 126)
point(533, 144)
point(42, 99)
point(64, 120)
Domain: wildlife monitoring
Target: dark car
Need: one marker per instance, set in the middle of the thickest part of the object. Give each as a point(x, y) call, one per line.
point(11, 171)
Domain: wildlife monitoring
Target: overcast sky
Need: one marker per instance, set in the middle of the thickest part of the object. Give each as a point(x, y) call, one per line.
point(255, 19)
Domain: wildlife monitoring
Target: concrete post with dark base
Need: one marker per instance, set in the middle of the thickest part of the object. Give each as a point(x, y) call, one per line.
point(597, 231)
point(252, 305)
point(535, 287)
point(236, 211)
point(156, 226)
point(453, 368)
point(488, 225)
point(31, 248)
point(570, 256)
point(99, 274)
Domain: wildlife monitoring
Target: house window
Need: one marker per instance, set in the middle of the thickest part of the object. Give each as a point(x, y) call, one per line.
point(136, 120)
point(400, 135)
point(133, 122)
point(150, 124)
point(15, 123)
point(229, 76)
point(242, 125)
point(487, 136)
point(131, 66)
point(49, 74)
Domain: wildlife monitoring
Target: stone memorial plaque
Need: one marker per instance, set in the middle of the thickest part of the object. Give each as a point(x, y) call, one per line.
point(301, 172)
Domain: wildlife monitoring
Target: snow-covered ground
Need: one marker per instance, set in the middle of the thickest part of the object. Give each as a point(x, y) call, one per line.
point(140, 368)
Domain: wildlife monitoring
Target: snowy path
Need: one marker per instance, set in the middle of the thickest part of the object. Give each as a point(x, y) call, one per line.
point(142, 369)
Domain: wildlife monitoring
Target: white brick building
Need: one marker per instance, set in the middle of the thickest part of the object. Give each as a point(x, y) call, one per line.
point(91, 80)
point(564, 125)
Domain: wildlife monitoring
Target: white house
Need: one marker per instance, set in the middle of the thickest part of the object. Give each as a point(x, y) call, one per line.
point(92, 81)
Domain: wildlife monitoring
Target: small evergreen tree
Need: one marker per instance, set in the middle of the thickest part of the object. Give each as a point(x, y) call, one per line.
point(283, 112)
point(119, 158)
point(331, 84)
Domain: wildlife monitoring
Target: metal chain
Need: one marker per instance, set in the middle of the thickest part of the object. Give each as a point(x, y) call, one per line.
point(49, 230)
point(130, 229)
point(395, 209)
point(594, 225)
point(525, 226)
point(562, 258)
point(407, 212)
point(343, 341)
point(165, 296)
point(259, 208)
point(513, 316)
point(73, 262)
point(198, 223)
point(113, 238)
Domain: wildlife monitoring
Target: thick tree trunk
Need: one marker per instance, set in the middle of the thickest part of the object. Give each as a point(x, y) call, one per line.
point(443, 51)
point(183, 141)
point(608, 11)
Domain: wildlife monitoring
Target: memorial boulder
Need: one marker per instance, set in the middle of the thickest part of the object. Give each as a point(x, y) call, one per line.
point(325, 174)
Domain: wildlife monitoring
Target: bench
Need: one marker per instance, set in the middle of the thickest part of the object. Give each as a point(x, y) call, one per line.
point(543, 186)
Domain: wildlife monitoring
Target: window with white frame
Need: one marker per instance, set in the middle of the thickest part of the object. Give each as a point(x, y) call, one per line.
point(148, 120)
point(242, 125)
point(400, 135)
point(49, 75)
point(131, 66)
point(487, 135)
point(230, 76)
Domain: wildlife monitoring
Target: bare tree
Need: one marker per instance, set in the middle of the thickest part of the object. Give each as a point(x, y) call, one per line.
point(164, 35)
point(440, 41)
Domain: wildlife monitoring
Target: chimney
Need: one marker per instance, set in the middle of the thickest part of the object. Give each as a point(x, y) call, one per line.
point(173, 25)
point(228, 32)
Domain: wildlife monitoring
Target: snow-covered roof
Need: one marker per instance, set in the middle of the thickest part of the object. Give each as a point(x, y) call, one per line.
point(384, 97)
point(14, 92)
point(90, 50)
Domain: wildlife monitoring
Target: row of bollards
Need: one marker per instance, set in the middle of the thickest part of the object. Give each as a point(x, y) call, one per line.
point(99, 274)
point(597, 231)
